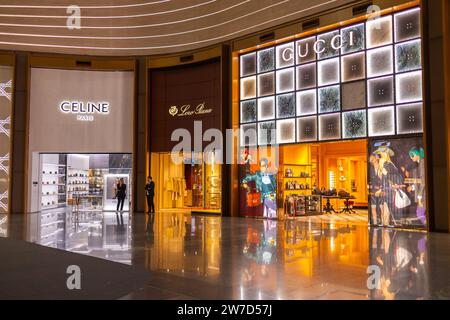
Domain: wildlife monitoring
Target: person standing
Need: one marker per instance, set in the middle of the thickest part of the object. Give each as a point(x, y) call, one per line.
point(121, 194)
point(150, 193)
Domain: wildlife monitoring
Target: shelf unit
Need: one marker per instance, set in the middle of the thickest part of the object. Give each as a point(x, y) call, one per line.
point(97, 186)
point(296, 190)
point(52, 182)
point(77, 183)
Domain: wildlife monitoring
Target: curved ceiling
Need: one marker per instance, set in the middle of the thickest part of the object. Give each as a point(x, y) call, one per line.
point(141, 27)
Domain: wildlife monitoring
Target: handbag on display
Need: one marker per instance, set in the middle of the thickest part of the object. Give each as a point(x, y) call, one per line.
point(401, 199)
point(253, 198)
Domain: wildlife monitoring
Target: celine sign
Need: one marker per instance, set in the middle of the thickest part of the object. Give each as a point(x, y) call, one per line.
point(186, 110)
point(85, 111)
point(318, 47)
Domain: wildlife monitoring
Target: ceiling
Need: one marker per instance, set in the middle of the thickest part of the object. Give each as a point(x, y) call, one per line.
point(142, 27)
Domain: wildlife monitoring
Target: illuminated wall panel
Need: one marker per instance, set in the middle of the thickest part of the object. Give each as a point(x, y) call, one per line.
point(6, 85)
point(360, 80)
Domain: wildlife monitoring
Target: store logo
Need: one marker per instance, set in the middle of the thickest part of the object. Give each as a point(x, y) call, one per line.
point(84, 111)
point(319, 47)
point(187, 110)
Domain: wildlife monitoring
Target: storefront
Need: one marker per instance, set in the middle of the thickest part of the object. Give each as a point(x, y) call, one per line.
point(80, 135)
point(333, 119)
point(6, 102)
point(185, 106)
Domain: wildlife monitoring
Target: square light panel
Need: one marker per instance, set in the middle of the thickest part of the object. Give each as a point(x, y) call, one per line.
point(306, 102)
point(266, 133)
point(248, 64)
point(286, 131)
point(248, 111)
point(286, 105)
point(379, 32)
point(409, 87)
point(285, 55)
point(266, 60)
point(409, 118)
point(328, 71)
point(266, 108)
point(381, 121)
point(354, 124)
point(379, 62)
point(306, 76)
point(266, 84)
point(305, 50)
point(353, 38)
point(285, 80)
point(307, 129)
point(248, 88)
point(407, 25)
point(330, 126)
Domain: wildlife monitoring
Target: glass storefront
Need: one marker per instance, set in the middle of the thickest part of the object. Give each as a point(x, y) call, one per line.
point(342, 109)
point(85, 182)
point(188, 181)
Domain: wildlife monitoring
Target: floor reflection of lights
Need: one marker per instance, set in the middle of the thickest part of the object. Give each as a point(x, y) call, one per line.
point(257, 259)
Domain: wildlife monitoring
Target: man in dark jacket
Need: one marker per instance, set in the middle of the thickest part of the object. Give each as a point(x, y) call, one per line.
point(150, 193)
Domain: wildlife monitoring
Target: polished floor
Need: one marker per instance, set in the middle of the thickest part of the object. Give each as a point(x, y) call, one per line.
point(204, 257)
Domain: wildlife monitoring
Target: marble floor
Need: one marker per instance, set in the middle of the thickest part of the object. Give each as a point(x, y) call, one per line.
point(212, 257)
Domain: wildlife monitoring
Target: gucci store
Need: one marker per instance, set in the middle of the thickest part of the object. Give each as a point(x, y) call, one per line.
point(344, 108)
point(80, 135)
point(185, 105)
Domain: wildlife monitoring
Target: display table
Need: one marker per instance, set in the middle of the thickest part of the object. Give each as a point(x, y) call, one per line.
point(328, 207)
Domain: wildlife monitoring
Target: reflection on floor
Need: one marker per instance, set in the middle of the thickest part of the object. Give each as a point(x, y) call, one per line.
point(212, 257)
point(359, 218)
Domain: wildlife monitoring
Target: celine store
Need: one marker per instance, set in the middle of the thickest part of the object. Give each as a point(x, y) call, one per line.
point(80, 134)
point(344, 106)
point(185, 101)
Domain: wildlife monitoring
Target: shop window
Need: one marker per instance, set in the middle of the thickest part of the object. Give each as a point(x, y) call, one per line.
point(285, 55)
point(329, 127)
point(266, 133)
point(381, 121)
point(266, 84)
point(285, 80)
point(379, 62)
point(266, 60)
point(305, 50)
point(248, 111)
point(354, 95)
point(328, 71)
point(329, 44)
point(379, 32)
point(266, 108)
point(354, 124)
point(248, 88)
point(329, 99)
point(380, 91)
point(409, 87)
point(306, 102)
point(306, 76)
point(248, 64)
point(307, 129)
point(353, 67)
point(408, 56)
point(353, 38)
point(286, 131)
point(409, 118)
point(286, 105)
point(407, 25)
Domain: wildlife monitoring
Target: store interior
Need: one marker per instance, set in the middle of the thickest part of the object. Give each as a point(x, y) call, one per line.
point(84, 182)
point(191, 181)
point(311, 179)
point(338, 169)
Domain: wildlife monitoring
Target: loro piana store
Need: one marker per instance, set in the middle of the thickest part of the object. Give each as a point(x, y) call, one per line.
point(344, 106)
